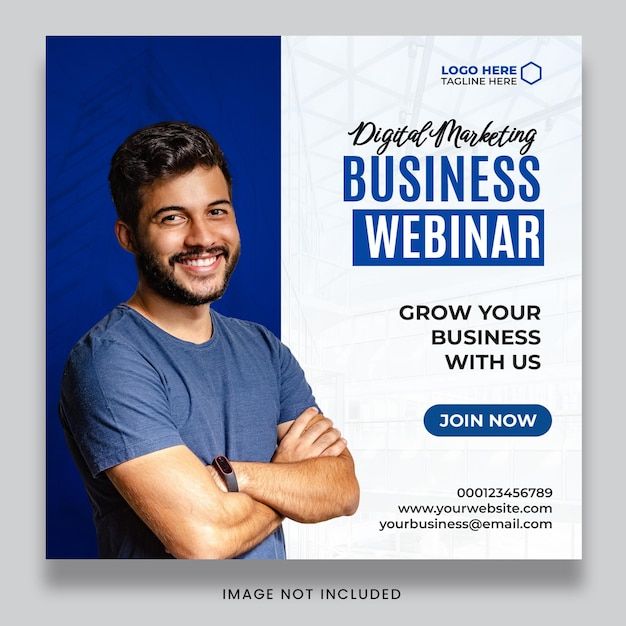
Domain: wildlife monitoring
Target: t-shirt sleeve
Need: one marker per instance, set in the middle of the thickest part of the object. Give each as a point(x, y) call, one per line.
point(295, 393)
point(115, 404)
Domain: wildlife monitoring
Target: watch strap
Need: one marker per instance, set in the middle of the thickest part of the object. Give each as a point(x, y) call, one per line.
point(227, 473)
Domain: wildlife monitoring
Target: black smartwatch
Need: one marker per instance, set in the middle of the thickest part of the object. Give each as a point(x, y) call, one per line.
point(225, 470)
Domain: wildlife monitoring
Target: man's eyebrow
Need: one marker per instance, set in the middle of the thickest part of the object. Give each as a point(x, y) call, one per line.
point(165, 209)
point(223, 201)
point(175, 207)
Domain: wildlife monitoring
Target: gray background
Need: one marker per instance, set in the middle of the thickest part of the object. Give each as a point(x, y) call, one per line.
point(447, 592)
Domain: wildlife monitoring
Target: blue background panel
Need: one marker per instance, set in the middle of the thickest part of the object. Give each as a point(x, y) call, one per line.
point(99, 91)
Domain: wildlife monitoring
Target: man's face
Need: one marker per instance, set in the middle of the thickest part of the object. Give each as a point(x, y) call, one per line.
point(186, 241)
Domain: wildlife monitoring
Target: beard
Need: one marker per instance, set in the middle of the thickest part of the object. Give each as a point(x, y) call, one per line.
point(161, 279)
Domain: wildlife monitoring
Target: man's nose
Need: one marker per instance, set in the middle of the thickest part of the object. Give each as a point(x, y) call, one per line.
point(199, 233)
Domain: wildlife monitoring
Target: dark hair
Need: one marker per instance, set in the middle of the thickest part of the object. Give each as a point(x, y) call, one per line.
point(156, 152)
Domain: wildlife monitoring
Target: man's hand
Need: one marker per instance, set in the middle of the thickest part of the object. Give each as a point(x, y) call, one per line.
point(310, 435)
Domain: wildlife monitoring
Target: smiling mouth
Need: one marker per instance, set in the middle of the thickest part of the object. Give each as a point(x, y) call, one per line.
point(200, 259)
point(204, 261)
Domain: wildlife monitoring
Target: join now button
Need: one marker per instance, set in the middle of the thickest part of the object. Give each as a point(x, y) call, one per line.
point(487, 420)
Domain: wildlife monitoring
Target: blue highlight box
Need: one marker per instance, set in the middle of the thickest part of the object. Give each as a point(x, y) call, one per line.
point(447, 237)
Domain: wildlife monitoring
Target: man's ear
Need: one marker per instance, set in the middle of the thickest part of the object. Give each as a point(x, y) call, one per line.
point(125, 237)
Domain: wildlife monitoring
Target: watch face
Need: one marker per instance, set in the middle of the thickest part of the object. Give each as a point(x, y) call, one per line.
point(224, 465)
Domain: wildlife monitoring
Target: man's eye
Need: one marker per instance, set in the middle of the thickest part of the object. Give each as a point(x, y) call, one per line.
point(217, 211)
point(172, 219)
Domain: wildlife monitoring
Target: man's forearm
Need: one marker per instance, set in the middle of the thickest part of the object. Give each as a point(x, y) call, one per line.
point(239, 522)
point(311, 490)
point(181, 503)
point(246, 523)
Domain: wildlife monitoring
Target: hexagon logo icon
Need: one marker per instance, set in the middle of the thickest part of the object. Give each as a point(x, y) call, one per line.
point(531, 73)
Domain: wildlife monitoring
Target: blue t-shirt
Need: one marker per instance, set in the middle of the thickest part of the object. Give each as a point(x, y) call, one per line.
point(130, 388)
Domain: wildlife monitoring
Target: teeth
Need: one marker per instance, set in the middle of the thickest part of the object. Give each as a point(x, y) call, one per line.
point(200, 262)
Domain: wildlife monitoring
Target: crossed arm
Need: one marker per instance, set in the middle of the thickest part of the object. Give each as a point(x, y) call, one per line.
point(311, 478)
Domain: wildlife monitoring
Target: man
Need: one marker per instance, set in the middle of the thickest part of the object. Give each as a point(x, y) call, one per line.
point(195, 434)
